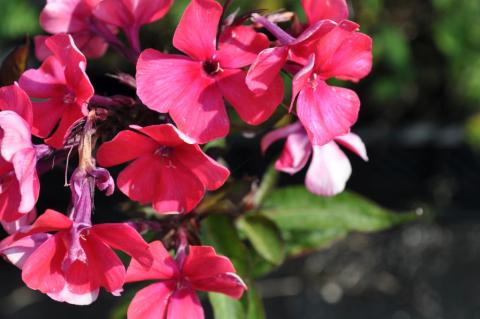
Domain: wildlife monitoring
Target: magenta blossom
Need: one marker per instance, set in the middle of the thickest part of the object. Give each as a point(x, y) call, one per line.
point(174, 296)
point(191, 89)
point(130, 15)
point(316, 10)
point(18, 175)
point(330, 168)
point(61, 90)
point(74, 17)
point(71, 265)
point(166, 171)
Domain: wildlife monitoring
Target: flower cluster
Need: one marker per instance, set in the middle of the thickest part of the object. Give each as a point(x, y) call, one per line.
point(224, 61)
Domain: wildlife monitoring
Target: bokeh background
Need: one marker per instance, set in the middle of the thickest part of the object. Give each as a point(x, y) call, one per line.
point(421, 123)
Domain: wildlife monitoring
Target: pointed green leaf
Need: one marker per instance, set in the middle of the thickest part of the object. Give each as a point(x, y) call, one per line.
point(226, 308)
point(265, 237)
point(296, 209)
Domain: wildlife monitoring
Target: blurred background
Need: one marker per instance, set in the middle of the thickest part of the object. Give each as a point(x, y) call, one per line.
point(421, 123)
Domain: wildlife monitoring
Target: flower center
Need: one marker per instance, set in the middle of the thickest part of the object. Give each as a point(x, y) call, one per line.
point(69, 98)
point(211, 67)
point(164, 151)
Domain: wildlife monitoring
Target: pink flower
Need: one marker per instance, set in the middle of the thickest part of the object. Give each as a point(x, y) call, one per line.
point(325, 50)
point(328, 111)
point(192, 88)
point(130, 15)
point(19, 184)
point(166, 171)
point(330, 168)
point(316, 10)
point(74, 17)
point(71, 265)
point(61, 90)
point(174, 295)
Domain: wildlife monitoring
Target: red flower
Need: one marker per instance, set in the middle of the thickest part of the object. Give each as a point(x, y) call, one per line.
point(316, 10)
point(166, 170)
point(192, 88)
point(19, 185)
point(71, 265)
point(327, 49)
point(130, 15)
point(174, 296)
point(74, 17)
point(328, 111)
point(61, 89)
point(330, 168)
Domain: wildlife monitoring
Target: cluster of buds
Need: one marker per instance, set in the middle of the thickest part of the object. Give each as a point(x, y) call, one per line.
point(226, 59)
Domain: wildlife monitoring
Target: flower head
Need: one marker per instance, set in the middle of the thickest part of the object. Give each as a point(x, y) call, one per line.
point(174, 294)
point(76, 18)
point(330, 168)
point(191, 89)
point(61, 89)
point(166, 171)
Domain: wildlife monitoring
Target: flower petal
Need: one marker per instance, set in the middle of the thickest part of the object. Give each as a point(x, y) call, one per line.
point(125, 238)
point(253, 109)
point(184, 304)
point(126, 146)
point(43, 269)
point(316, 10)
point(25, 164)
point(151, 302)
point(354, 143)
point(197, 31)
point(19, 251)
point(279, 134)
point(329, 171)
point(239, 46)
point(266, 68)
point(295, 155)
point(327, 111)
point(208, 271)
point(209, 172)
point(15, 99)
point(180, 191)
point(106, 268)
point(163, 267)
point(174, 84)
point(138, 183)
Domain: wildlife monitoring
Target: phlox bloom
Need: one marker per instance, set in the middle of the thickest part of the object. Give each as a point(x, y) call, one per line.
point(76, 18)
point(19, 184)
point(72, 264)
point(130, 15)
point(166, 170)
point(191, 89)
point(61, 90)
point(316, 10)
point(174, 296)
point(329, 169)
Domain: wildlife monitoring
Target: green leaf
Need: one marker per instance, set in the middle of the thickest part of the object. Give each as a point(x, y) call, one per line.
point(219, 231)
point(226, 308)
point(255, 304)
point(296, 209)
point(265, 237)
point(299, 243)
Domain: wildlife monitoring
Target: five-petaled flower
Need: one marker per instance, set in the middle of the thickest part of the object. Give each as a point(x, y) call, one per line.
point(61, 90)
point(191, 89)
point(166, 171)
point(330, 168)
point(76, 18)
point(72, 264)
point(174, 296)
point(19, 184)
